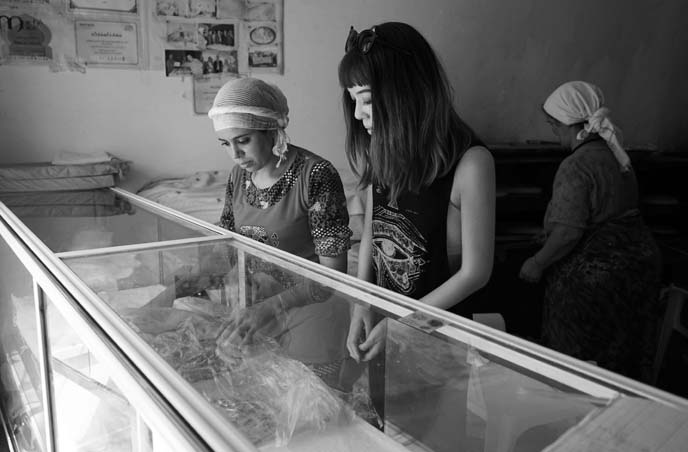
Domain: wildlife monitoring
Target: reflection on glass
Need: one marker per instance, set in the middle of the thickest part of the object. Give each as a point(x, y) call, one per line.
point(266, 347)
point(444, 394)
point(90, 413)
point(19, 365)
point(77, 220)
point(271, 372)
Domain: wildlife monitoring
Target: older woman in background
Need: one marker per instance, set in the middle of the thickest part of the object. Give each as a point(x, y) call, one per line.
point(601, 261)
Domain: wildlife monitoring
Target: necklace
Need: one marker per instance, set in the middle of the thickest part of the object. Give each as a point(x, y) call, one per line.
point(270, 195)
point(271, 177)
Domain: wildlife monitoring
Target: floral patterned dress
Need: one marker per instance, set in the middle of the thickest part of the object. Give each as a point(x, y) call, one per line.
point(303, 213)
point(602, 299)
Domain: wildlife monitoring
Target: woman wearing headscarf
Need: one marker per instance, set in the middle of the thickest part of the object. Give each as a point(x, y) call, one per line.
point(292, 199)
point(601, 263)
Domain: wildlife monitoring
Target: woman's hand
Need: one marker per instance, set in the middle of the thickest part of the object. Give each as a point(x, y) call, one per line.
point(365, 340)
point(264, 286)
point(243, 326)
point(356, 333)
point(531, 270)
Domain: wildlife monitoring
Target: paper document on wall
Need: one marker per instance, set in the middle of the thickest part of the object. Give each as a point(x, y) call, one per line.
point(628, 424)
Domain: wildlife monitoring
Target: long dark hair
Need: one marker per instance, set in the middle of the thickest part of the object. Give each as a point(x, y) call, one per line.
point(417, 134)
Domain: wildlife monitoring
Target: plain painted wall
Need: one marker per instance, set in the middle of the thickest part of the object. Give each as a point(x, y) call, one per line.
point(503, 58)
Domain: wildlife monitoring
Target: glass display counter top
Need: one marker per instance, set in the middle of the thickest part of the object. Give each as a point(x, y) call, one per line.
point(88, 219)
point(245, 347)
point(288, 383)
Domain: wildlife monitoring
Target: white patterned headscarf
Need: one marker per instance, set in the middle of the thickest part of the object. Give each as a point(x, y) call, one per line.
point(576, 102)
point(251, 103)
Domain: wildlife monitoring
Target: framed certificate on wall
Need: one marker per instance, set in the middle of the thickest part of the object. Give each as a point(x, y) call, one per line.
point(107, 43)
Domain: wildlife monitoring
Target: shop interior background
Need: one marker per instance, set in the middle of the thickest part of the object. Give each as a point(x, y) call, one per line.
point(502, 57)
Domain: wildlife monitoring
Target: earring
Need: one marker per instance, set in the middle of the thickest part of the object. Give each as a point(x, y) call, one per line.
point(280, 148)
point(281, 153)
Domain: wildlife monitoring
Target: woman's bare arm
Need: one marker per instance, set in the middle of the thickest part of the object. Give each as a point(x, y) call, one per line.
point(474, 190)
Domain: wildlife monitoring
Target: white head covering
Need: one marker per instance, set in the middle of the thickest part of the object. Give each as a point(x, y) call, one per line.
point(250, 103)
point(575, 102)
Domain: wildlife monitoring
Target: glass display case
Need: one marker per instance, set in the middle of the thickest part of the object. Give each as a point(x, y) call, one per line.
point(137, 328)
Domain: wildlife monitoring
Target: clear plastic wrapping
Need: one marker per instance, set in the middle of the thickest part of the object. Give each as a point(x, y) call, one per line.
point(265, 394)
point(290, 396)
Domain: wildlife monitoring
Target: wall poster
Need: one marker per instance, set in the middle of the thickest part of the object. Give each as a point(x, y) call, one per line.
point(196, 62)
point(27, 39)
point(25, 36)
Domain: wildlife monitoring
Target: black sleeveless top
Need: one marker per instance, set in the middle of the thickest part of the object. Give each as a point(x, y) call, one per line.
point(410, 241)
point(410, 238)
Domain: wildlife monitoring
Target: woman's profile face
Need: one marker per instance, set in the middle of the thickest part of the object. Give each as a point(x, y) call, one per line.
point(363, 110)
point(558, 128)
point(250, 149)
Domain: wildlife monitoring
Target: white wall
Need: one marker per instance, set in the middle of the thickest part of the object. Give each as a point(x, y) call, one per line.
point(503, 58)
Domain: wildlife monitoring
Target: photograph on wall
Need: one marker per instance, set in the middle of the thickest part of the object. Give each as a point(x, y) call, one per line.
point(218, 36)
point(220, 62)
point(186, 8)
point(264, 47)
point(229, 9)
point(205, 87)
point(179, 63)
point(107, 43)
point(120, 6)
point(263, 57)
point(262, 33)
point(202, 8)
point(28, 39)
point(173, 8)
point(261, 12)
point(182, 34)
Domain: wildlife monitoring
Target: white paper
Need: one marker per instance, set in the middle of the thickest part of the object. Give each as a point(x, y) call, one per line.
point(628, 424)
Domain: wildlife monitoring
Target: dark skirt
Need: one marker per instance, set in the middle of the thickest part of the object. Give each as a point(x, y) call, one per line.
point(602, 299)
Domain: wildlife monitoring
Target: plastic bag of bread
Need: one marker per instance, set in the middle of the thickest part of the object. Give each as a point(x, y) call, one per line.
point(292, 397)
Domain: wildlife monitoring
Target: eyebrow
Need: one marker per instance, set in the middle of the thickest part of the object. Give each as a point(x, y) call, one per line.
point(235, 138)
point(357, 93)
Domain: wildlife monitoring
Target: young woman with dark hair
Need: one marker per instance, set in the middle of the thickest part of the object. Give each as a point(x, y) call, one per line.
point(430, 212)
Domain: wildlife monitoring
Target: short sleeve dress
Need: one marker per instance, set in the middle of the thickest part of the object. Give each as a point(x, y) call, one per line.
point(303, 213)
